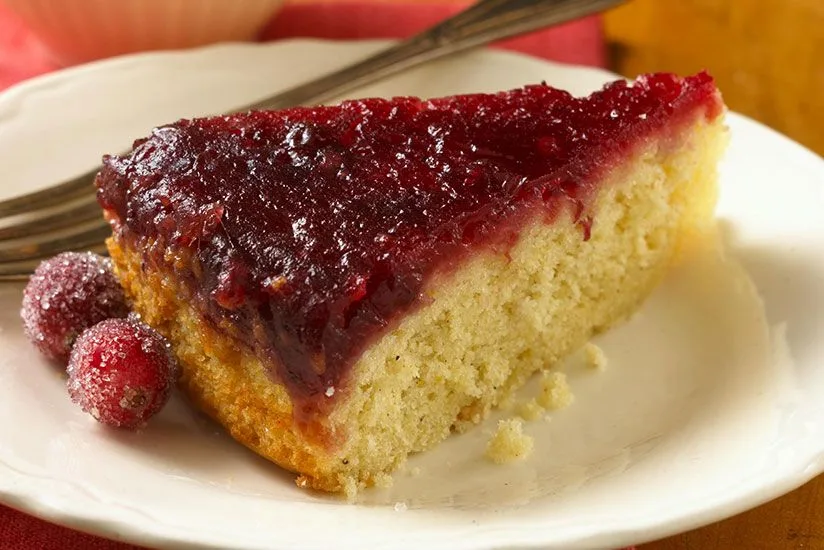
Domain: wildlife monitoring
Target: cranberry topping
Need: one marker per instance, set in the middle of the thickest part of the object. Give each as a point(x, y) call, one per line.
point(314, 229)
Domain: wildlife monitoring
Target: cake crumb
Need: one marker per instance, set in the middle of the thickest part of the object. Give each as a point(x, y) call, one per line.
point(555, 392)
point(400, 507)
point(530, 410)
point(415, 472)
point(384, 481)
point(509, 443)
point(350, 488)
point(595, 356)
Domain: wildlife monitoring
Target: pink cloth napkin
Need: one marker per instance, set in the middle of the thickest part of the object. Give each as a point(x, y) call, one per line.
point(22, 57)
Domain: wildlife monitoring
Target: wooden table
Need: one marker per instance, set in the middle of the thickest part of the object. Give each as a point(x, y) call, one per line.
point(768, 59)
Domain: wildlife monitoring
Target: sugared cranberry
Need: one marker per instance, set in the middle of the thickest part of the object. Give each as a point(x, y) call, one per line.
point(66, 295)
point(121, 372)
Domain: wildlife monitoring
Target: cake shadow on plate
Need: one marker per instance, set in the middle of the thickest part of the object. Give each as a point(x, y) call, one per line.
point(183, 442)
point(790, 282)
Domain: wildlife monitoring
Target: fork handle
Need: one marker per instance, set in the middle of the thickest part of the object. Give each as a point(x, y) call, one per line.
point(484, 22)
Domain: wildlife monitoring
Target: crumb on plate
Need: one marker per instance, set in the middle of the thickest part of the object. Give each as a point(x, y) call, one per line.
point(555, 392)
point(595, 356)
point(530, 410)
point(509, 443)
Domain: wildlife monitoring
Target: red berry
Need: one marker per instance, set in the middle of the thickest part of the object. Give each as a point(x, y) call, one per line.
point(66, 295)
point(121, 372)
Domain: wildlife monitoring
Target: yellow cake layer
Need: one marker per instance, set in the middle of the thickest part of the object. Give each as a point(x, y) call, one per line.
point(490, 325)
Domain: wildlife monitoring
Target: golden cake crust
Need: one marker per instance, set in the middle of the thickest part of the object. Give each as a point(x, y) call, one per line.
point(221, 378)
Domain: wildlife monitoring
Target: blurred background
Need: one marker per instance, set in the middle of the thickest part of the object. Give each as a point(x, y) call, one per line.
point(767, 56)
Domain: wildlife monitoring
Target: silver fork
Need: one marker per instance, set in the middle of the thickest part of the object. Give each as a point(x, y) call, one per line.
point(66, 216)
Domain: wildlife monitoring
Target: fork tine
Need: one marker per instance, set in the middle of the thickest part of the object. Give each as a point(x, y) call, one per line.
point(65, 219)
point(78, 187)
point(22, 270)
point(41, 249)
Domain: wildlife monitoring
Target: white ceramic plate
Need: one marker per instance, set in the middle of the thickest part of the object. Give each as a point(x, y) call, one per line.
point(712, 401)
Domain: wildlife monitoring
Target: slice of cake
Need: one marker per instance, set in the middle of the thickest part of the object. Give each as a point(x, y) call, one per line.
point(346, 285)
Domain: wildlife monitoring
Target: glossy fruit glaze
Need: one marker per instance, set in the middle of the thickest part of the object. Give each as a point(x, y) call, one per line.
point(315, 229)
